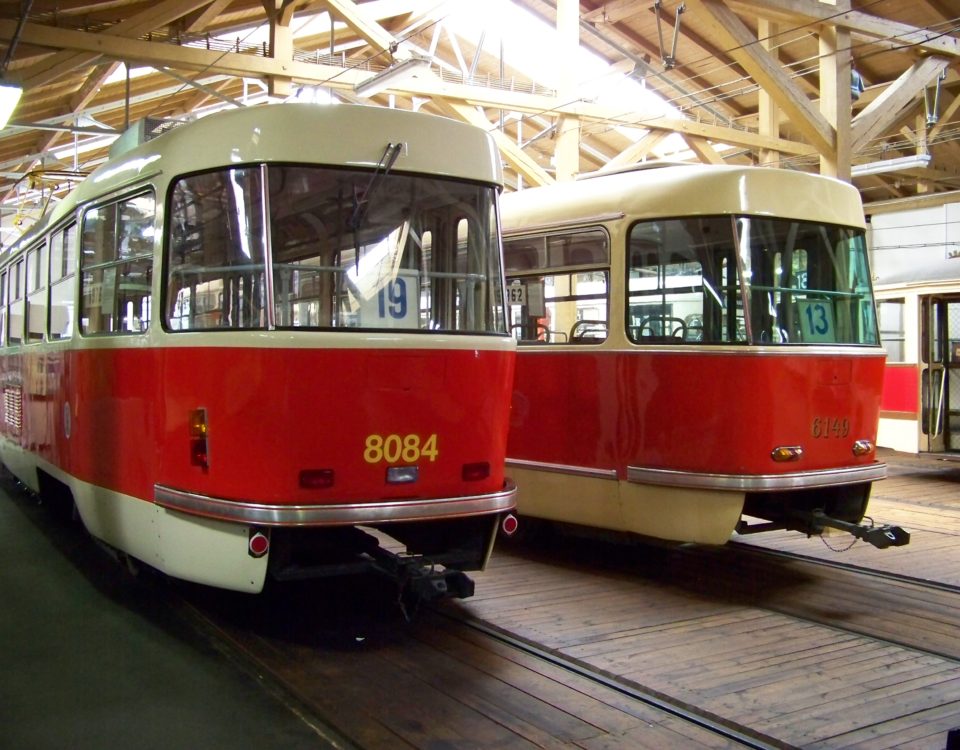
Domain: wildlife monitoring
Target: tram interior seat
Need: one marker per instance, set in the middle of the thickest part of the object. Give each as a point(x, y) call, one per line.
point(662, 329)
point(539, 334)
point(588, 332)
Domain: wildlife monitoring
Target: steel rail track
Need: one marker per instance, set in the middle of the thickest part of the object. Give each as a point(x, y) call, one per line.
point(751, 549)
point(719, 726)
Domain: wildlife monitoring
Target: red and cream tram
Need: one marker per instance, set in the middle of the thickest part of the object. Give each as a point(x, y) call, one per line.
point(698, 353)
point(915, 255)
point(236, 344)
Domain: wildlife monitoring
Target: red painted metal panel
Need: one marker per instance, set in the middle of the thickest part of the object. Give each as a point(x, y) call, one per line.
point(699, 412)
point(271, 414)
point(901, 389)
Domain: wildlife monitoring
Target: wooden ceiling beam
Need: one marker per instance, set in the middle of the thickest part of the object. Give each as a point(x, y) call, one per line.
point(510, 151)
point(745, 48)
point(198, 21)
point(636, 151)
point(712, 52)
point(703, 150)
point(944, 117)
point(660, 81)
point(840, 14)
point(614, 12)
point(66, 61)
point(77, 103)
point(425, 85)
point(887, 108)
point(364, 25)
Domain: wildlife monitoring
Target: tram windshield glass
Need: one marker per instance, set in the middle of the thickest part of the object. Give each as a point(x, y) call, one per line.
point(304, 247)
point(748, 279)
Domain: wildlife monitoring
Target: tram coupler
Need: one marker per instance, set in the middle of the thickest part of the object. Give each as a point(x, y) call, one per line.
point(421, 579)
point(428, 585)
point(880, 537)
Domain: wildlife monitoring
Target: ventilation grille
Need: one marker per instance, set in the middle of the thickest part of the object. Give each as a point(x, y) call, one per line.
point(13, 408)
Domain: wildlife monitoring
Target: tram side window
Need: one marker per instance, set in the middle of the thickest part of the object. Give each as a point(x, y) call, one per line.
point(558, 287)
point(682, 282)
point(15, 307)
point(36, 307)
point(892, 331)
point(116, 265)
point(62, 274)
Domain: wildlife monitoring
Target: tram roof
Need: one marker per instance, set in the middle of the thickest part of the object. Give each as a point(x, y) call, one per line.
point(343, 135)
point(685, 190)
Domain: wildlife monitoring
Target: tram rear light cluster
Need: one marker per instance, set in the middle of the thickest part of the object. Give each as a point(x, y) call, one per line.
point(475, 472)
point(199, 456)
point(316, 479)
point(786, 453)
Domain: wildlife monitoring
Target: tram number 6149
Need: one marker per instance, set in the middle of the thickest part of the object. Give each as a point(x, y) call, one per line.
point(395, 448)
point(830, 427)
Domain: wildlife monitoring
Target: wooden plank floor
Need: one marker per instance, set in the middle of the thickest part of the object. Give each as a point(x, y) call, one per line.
point(809, 685)
point(438, 685)
point(920, 494)
point(803, 683)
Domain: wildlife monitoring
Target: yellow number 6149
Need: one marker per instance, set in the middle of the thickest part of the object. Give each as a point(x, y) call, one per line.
point(396, 448)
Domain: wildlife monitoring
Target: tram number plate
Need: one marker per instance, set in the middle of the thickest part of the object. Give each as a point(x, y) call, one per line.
point(396, 448)
point(517, 293)
point(830, 427)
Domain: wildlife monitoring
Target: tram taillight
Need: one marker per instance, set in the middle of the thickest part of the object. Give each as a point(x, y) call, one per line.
point(198, 439)
point(475, 472)
point(316, 479)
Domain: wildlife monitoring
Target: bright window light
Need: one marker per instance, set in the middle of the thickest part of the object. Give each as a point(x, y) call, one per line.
point(9, 97)
point(531, 47)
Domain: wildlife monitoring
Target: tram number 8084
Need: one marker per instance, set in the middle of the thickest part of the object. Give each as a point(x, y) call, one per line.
point(395, 448)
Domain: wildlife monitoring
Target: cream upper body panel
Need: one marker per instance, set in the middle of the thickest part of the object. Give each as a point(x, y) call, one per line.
point(685, 190)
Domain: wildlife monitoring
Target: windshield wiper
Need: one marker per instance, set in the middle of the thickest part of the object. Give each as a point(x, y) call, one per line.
point(363, 196)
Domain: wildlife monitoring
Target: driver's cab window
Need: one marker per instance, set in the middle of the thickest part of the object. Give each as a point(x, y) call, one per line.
point(682, 282)
point(558, 287)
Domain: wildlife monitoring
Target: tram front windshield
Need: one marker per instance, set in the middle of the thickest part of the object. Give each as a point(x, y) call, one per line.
point(303, 247)
point(748, 279)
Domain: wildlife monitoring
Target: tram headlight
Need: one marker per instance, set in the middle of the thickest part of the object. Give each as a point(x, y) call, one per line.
point(784, 453)
point(862, 448)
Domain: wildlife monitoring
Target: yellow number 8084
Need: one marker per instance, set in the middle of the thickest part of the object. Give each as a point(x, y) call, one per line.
point(396, 448)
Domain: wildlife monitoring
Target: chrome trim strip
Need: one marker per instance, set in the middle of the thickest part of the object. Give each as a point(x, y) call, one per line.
point(342, 514)
point(758, 482)
point(580, 471)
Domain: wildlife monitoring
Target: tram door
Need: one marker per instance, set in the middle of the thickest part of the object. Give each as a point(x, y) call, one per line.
point(940, 373)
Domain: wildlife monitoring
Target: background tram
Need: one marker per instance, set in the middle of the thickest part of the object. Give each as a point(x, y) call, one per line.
point(915, 257)
point(698, 353)
point(236, 344)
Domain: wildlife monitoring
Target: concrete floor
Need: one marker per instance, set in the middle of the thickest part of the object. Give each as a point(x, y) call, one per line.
point(92, 659)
